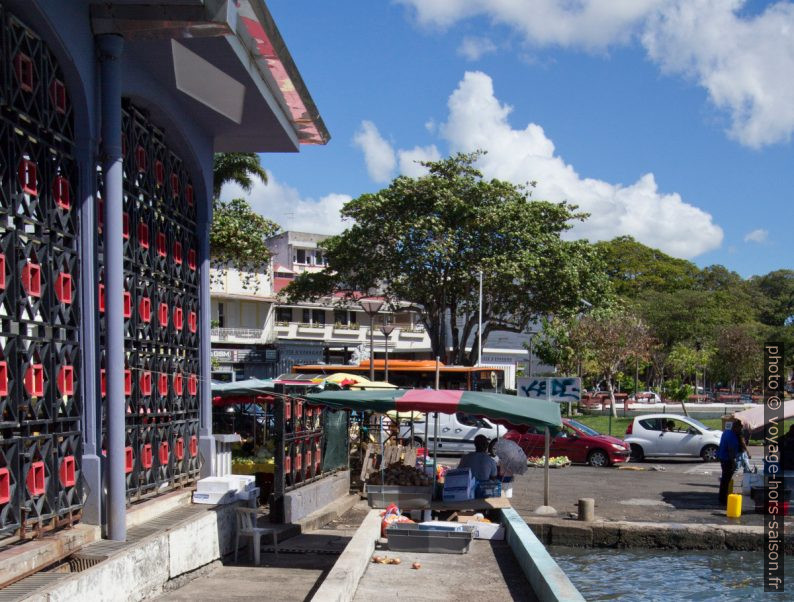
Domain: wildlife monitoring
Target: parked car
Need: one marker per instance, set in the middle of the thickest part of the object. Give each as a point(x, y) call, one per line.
point(671, 435)
point(646, 397)
point(456, 432)
point(578, 441)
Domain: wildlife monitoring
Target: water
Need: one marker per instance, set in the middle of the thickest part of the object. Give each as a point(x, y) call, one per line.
point(665, 575)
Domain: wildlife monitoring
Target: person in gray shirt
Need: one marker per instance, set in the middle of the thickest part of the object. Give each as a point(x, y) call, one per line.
point(481, 464)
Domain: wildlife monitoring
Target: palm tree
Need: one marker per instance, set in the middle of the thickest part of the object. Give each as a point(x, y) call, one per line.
point(240, 168)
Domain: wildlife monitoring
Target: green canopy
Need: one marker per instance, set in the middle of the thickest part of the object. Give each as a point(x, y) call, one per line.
point(509, 410)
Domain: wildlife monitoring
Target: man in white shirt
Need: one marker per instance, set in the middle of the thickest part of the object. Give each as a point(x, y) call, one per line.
point(481, 464)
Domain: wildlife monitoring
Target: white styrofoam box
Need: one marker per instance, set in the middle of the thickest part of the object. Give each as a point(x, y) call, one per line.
point(459, 477)
point(487, 530)
point(242, 482)
point(442, 525)
point(216, 484)
point(214, 497)
point(248, 495)
point(458, 494)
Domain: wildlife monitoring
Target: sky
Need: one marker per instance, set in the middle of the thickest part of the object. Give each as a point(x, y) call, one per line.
point(667, 120)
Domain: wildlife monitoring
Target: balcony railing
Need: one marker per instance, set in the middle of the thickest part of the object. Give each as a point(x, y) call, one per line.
point(248, 335)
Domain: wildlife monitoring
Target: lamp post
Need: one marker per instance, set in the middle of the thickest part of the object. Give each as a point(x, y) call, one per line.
point(532, 335)
point(386, 328)
point(371, 307)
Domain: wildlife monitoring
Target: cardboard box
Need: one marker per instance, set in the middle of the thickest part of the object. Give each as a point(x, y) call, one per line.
point(458, 485)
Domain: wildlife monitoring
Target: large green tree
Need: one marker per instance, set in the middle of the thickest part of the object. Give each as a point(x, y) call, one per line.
point(426, 239)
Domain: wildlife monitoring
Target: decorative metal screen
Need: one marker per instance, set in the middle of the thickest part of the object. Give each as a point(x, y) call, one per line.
point(40, 389)
point(161, 371)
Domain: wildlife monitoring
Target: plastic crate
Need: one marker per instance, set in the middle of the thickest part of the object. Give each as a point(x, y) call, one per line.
point(405, 537)
point(406, 498)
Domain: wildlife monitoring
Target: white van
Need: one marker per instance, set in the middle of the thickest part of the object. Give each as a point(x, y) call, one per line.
point(456, 432)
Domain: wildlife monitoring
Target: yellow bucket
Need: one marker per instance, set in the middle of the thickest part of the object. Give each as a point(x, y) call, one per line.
point(734, 505)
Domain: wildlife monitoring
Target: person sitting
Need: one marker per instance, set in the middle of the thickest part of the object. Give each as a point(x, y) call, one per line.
point(669, 426)
point(481, 464)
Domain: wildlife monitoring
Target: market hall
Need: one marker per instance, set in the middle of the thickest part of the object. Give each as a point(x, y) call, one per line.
point(110, 114)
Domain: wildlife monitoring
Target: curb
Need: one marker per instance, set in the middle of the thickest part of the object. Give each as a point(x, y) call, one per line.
point(342, 581)
point(326, 514)
point(626, 534)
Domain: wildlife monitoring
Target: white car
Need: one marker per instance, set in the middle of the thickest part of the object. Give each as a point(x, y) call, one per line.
point(456, 432)
point(671, 435)
point(646, 397)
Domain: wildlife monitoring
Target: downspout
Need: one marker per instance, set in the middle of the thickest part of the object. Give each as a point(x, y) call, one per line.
point(92, 436)
point(109, 48)
point(206, 440)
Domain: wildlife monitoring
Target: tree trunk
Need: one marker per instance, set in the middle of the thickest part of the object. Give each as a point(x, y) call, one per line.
point(611, 389)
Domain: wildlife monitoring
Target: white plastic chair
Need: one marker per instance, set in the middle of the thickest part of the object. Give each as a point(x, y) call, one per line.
point(247, 527)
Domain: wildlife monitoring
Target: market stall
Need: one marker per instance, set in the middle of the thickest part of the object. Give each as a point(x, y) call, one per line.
point(410, 485)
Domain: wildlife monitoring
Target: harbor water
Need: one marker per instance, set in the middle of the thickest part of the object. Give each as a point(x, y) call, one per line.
point(668, 575)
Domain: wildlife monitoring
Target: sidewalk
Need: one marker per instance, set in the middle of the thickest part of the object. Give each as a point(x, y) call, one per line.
point(295, 574)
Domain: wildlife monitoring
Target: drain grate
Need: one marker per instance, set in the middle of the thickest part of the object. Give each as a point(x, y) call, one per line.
point(29, 585)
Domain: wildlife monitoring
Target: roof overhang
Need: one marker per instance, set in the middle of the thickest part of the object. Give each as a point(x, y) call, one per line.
point(229, 61)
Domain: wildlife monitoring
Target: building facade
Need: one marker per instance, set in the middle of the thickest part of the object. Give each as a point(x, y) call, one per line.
point(109, 117)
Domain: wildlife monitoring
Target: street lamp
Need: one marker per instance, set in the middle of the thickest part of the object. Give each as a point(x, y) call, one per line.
point(386, 328)
point(532, 335)
point(371, 307)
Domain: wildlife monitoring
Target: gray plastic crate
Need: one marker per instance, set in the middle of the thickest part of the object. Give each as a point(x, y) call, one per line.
point(405, 537)
point(406, 498)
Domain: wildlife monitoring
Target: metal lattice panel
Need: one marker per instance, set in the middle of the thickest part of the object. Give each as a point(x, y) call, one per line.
point(160, 309)
point(40, 389)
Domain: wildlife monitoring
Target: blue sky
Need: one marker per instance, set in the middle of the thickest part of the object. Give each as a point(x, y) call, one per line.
point(669, 120)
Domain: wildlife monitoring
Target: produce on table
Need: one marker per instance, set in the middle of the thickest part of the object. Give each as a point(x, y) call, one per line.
point(554, 461)
point(416, 565)
point(401, 475)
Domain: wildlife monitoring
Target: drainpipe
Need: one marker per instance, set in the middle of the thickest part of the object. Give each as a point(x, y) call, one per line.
point(91, 462)
point(109, 48)
point(206, 440)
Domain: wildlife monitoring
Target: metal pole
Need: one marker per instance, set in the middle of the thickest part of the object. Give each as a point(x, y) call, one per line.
point(479, 329)
point(109, 48)
point(438, 372)
point(92, 431)
point(546, 468)
point(386, 357)
point(531, 337)
point(372, 346)
point(435, 451)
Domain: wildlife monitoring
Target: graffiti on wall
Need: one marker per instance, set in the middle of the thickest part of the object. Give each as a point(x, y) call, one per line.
point(559, 389)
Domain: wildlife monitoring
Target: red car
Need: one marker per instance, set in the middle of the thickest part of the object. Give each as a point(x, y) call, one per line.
point(578, 442)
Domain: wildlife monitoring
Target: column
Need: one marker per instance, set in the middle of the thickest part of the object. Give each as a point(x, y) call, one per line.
point(109, 48)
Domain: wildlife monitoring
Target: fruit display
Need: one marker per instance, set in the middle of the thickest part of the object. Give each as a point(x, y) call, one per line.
point(554, 462)
point(400, 475)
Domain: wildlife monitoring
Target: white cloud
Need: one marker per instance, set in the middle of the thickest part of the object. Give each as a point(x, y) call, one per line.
point(472, 48)
point(758, 235)
point(409, 160)
point(663, 220)
point(741, 60)
point(378, 153)
point(592, 24)
point(284, 205)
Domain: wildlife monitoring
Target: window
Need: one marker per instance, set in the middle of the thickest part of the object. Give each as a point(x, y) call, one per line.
point(318, 316)
point(318, 258)
point(340, 316)
point(283, 314)
point(221, 319)
point(469, 420)
point(300, 256)
point(652, 424)
point(307, 316)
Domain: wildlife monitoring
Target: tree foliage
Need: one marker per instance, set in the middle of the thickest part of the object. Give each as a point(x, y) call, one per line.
point(240, 168)
point(238, 233)
point(608, 339)
point(426, 239)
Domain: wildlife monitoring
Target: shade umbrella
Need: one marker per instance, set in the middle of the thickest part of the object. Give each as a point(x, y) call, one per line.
point(511, 457)
point(753, 418)
point(339, 377)
point(508, 410)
